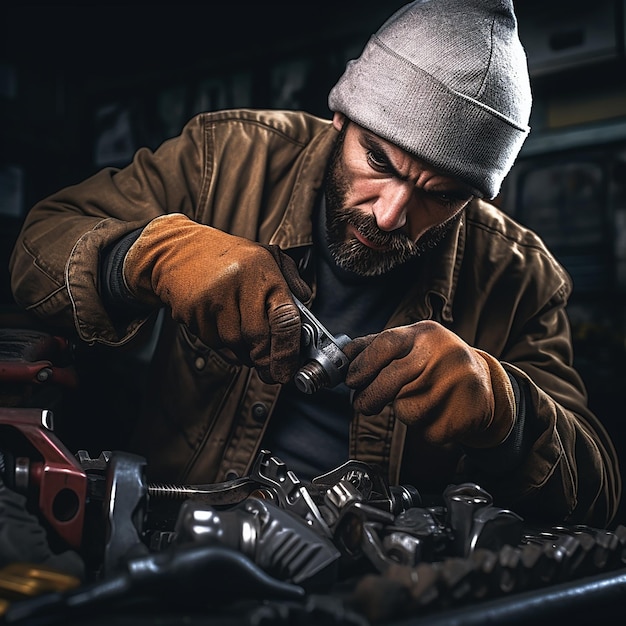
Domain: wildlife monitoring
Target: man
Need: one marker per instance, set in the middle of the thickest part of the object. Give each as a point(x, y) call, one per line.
point(379, 219)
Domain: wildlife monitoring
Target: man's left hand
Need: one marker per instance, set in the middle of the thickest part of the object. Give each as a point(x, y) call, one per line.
point(435, 381)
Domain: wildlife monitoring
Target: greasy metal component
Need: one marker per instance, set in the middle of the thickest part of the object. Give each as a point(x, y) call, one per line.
point(226, 493)
point(125, 507)
point(280, 543)
point(371, 545)
point(56, 476)
point(403, 548)
point(547, 566)
point(492, 528)
point(201, 523)
point(21, 480)
point(365, 478)
point(96, 470)
point(339, 497)
point(88, 464)
point(369, 482)
point(442, 556)
point(429, 538)
point(325, 364)
point(356, 532)
point(270, 472)
point(462, 502)
point(34, 357)
point(475, 551)
point(544, 558)
point(404, 497)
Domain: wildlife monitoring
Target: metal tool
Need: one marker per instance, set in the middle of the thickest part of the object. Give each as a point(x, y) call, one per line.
point(325, 364)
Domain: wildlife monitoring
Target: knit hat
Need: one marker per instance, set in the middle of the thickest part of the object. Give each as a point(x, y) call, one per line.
point(447, 81)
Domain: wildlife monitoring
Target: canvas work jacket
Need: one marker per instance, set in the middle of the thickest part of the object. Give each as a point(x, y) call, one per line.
point(258, 174)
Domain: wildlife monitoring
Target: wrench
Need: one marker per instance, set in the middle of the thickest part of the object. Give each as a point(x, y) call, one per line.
point(325, 364)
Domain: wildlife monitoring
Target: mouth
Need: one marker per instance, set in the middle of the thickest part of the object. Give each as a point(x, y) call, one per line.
point(364, 240)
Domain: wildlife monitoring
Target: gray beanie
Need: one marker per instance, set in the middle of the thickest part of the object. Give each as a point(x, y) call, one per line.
point(446, 80)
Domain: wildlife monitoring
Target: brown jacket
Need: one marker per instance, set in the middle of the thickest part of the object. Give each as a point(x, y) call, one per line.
point(257, 174)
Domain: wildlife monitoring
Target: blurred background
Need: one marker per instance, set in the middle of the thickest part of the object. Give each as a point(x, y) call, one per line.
point(82, 88)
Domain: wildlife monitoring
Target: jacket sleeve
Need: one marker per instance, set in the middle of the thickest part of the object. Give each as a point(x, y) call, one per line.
point(55, 263)
point(570, 471)
point(569, 468)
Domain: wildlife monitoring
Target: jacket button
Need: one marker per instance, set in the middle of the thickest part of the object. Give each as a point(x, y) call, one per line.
point(200, 362)
point(232, 475)
point(259, 411)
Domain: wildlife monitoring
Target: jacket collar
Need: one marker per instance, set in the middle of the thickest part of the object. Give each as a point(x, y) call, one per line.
point(296, 229)
point(432, 292)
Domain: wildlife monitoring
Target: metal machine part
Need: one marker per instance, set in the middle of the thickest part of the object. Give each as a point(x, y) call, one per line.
point(275, 539)
point(369, 482)
point(125, 505)
point(476, 522)
point(34, 357)
point(325, 364)
point(67, 488)
point(279, 532)
point(269, 479)
point(289, 492)
point(36, 461)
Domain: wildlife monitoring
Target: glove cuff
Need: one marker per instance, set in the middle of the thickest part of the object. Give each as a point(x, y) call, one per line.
point(142, 257)
point(504, 409)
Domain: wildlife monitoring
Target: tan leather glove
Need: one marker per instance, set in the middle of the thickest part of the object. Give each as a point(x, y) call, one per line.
point(436, 382)
point(231, 292)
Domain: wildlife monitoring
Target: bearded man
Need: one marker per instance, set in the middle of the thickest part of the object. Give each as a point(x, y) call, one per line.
point(380, 220)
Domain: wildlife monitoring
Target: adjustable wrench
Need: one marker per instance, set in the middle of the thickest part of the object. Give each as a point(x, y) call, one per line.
point(325, 364)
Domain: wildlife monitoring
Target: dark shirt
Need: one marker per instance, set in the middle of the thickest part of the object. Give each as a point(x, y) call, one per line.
point(310, 433)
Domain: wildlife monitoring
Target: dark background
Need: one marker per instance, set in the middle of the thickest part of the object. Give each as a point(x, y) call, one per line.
point(82, 87)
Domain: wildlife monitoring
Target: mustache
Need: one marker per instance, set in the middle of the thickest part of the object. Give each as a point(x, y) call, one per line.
point(366, 225)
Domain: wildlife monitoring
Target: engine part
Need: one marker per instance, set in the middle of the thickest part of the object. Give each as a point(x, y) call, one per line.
point(36, 460)
point(282, 544)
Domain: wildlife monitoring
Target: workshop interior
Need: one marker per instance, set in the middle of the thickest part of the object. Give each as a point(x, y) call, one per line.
point(81, 88)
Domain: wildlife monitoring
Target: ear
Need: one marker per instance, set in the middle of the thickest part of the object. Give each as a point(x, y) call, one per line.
point(339, 119)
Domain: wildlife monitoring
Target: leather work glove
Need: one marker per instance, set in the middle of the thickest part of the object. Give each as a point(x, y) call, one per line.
point(436, 382)
point(230, 292)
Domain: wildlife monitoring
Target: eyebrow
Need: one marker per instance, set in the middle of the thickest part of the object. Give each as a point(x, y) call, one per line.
point(460, 190)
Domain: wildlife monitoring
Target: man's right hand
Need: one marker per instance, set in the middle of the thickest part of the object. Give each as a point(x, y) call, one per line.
point(229, 291)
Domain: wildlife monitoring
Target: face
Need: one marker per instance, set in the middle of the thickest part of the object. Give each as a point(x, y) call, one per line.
point(383, 205)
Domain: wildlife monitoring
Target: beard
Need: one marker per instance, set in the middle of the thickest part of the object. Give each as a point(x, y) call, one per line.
point(349, 253)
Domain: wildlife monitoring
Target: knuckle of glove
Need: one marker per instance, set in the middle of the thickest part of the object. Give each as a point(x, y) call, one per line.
point(285, 339)
point(284, 319)
point(383, 365)
point(258, 319)
point(501, 399)
point(357, 345)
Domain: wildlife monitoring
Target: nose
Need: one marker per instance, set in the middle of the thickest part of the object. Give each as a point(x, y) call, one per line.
point(390, 209)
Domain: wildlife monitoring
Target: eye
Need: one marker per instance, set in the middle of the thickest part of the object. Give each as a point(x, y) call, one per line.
point(451, 200)
point(445, 199)
point(378, 161)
